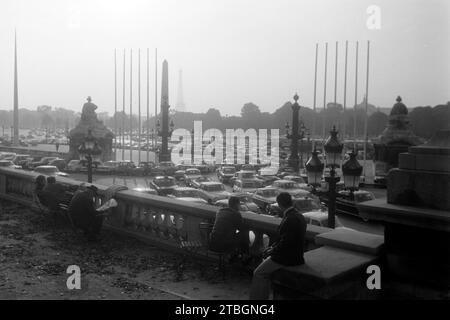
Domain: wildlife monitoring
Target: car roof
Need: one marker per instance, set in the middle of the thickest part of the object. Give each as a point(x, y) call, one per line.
point(185, 189)
point(164, 177)
point(208, 183)
point(46, 167)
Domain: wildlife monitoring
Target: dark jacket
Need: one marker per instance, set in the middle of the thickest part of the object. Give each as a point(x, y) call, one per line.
point(288, 250)
point(223, 235)
point(82, 209)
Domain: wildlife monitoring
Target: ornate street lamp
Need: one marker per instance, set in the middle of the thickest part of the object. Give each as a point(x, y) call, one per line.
point(87, 149)
point(333, 153)
point(314, 170)
point(351, 170)
point(297, 133)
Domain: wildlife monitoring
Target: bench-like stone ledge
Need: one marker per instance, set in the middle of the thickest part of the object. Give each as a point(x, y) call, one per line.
point(327, 273)
point(352, 240)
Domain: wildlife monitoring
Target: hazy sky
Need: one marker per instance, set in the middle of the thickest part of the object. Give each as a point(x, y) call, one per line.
point(231, 52)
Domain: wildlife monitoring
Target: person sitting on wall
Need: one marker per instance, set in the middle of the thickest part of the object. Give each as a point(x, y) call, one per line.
point(84, 214)
point(55, 193)
point(287, 251)
point(38, 195)
point(224, 236)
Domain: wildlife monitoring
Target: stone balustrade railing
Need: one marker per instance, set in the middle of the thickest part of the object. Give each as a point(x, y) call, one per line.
point(162, 221)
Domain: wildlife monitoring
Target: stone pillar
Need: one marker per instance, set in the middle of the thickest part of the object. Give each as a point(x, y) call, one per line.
point(416, 215)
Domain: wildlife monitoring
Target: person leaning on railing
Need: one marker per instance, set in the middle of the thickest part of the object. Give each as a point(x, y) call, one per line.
point(287, 251)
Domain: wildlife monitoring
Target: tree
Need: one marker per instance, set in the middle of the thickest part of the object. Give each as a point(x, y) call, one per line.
point(250, 110)
point(376, 123)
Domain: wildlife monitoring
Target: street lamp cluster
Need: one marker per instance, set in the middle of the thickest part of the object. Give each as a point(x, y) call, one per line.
point(351, 170)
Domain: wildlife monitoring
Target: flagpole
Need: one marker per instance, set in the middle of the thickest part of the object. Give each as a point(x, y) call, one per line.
point(131, 104)
point(314, 104)
point(115, 103)
point(324, 94)
point(148, 107)
point(123, 109)
point(139, 105)
point(155, 133)
point(345, 92)
point(356, 99)
point(367, 104)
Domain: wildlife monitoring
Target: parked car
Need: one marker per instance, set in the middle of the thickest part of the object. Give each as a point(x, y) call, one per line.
point(380, 181)
point(346, 201)
point(247, 200)
point(147, 167)
point(59, 163)
point(247, 186)
point(179, 175)
point(7, 155)
point(195, 183)
point(264, 197)
point(243, 175)
point(267, 176)
point(145, 190)
point(50, 171)
point(223, 203)
point(188, 194)
point(167, 168)
point(43, 161)
point(302, 204)
point(225, 174)
point(74, 166)
point(300, 182)
point(127, 167)
point(191, 174)
point(320, 218)
point(9, 164)
point(286, 171)
point(164, 185)
point(20, 159)
point(213, 191)
point(110, 167)
point(290, 187)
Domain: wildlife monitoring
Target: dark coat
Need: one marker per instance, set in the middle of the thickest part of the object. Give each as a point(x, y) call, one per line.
point(223, 236)
point(82, 209)
point(288, 250)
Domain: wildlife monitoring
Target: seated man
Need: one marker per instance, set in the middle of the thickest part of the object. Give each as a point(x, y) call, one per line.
point(287, 251)
point(55, 193)
point(83, 213)
point(224, 237)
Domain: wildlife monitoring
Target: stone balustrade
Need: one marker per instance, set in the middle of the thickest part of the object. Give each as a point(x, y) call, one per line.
point(161, 221)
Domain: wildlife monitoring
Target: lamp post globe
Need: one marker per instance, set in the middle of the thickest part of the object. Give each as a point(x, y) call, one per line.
point(351, 170)
point(314, 169)
point(333, 150)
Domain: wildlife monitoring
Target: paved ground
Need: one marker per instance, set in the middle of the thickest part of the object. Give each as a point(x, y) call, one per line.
point(34, 256)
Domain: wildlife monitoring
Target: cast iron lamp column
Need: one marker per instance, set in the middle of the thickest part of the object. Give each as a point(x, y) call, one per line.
point(333, 152)
point(88, 148)
point(294, 135)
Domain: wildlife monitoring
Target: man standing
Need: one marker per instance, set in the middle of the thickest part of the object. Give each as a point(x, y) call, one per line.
point(83, 213)
point(287, 251)
point(224, 237)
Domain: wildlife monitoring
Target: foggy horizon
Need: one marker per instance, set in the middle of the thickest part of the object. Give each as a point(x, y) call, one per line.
point(231, 53)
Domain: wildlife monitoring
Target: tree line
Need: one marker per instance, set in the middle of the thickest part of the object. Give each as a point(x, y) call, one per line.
point(425, 120)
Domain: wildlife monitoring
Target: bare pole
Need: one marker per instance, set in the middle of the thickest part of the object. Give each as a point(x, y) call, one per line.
point(324, 93)
point(314, 104)
point(365, 115)
point(155, 133)
point(356, 99)
point(148, 106)
point(345, 91)
point(123, 109)
point(335, 74)
point(115, 103)
point(139, 105)
point(131, 104)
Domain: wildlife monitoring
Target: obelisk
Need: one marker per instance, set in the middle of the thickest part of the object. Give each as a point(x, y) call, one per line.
point(164, 154)
point(180, 100)
point(16, 96)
